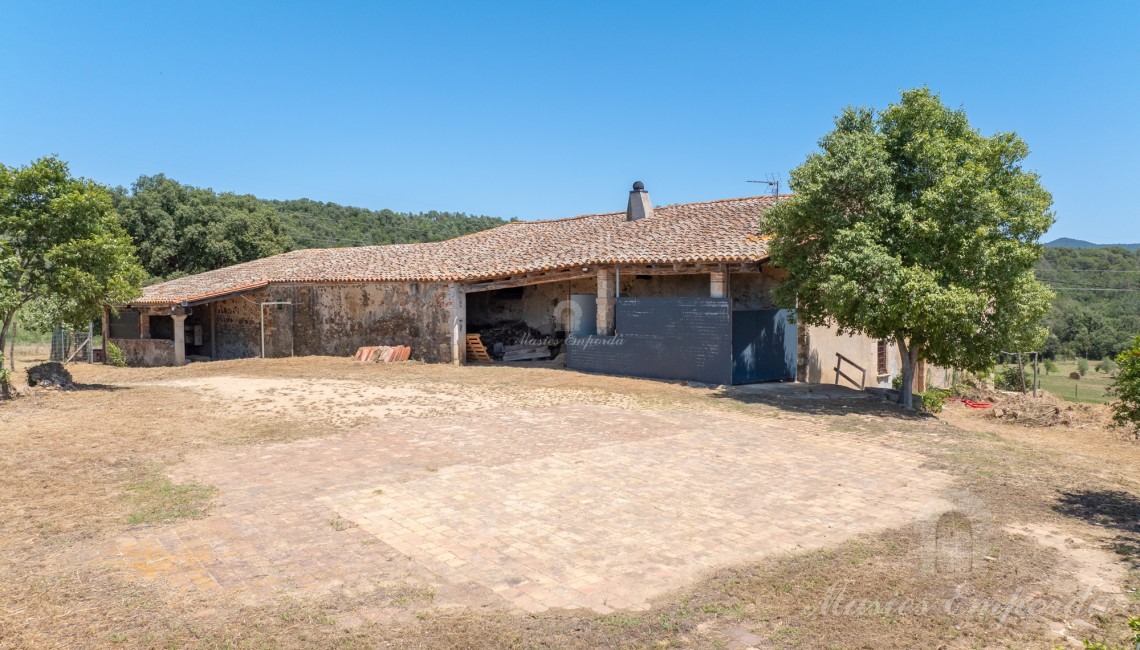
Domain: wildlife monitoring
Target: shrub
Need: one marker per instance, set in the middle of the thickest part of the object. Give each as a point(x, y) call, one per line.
point(1009, 378)
point(1050, 366)
point(1106, 365)
point(896, 382)
point(1083, 366)
point(115, 355)
point(1126, 388)
point(932, 400)
point(5, 378)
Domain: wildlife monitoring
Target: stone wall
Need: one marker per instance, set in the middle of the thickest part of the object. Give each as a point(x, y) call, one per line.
point(238, 325)
point(146, 352)
point(336, 319)
point(752, 291)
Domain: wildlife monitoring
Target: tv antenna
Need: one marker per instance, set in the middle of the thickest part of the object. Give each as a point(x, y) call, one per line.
point(772, 182)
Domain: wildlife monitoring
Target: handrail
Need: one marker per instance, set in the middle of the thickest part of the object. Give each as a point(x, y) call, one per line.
point(839, 373)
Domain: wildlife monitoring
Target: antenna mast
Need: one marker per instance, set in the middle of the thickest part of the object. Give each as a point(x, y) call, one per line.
point(772, 182)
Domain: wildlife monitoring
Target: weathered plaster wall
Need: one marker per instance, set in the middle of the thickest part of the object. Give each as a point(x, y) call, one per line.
point(146, 352)
point(335, 319)
point(824, 343)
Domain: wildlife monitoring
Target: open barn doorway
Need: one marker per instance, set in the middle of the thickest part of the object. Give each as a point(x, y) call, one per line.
point(531, 322)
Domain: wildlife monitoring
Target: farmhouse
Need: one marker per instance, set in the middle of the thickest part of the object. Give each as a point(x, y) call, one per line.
point(675, 292)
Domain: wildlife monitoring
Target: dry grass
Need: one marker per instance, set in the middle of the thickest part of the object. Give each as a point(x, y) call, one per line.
point(84, 466)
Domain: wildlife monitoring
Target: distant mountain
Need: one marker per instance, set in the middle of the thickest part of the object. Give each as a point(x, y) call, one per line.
point(1068, 242)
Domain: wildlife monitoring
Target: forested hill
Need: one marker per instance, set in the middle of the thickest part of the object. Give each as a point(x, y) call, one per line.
point(1069, 242)
point(1098, 299)
point(179, 229)
point(312, 224)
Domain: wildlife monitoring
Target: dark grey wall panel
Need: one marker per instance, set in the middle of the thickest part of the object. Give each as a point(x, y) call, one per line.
point(662, 338)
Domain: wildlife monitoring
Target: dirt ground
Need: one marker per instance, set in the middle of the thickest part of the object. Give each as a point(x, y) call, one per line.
point(315, 502)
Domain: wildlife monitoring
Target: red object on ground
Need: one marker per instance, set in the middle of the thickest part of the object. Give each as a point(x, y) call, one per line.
point(971, 403)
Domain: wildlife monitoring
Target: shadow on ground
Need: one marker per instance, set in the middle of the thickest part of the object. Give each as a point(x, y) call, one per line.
point(1113, 509)
point(1106, 508)
point(100, 387)
point(821, 399)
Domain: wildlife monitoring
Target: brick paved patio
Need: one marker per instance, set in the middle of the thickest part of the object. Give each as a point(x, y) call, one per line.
point(530, 508)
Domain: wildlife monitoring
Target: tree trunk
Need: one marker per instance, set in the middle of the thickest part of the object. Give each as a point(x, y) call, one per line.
point(909, 361)
point(5, 387)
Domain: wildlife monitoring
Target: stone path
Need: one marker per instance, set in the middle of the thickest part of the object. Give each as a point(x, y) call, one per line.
point(531, 508)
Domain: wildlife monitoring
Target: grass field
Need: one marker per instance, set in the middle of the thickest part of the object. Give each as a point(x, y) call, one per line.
point(1090, 389)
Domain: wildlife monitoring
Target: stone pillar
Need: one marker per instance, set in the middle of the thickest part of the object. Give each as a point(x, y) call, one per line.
point(718, 284)
point(456, 303)
point(179, 339)
point(605, 302)
point(144, 324)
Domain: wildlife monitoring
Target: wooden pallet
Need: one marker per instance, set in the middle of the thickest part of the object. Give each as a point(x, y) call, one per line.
point(475, 349)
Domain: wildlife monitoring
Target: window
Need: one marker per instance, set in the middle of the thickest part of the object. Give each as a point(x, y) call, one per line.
point(883, 358)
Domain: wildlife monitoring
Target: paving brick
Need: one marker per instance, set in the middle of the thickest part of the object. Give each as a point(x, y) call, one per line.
point(565, 506)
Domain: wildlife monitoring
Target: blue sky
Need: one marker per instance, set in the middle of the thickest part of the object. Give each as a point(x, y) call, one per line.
point(541, 110)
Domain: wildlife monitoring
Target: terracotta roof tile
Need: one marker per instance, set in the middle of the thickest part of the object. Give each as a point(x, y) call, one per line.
point(715, 231)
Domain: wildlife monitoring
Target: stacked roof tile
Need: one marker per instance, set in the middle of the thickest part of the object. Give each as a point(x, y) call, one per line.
point(716, 231)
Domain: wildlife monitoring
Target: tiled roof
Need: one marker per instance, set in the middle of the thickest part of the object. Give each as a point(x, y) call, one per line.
point(716, 231)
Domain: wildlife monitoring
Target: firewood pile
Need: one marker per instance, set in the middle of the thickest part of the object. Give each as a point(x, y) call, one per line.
point(1048, 410)
point(514, 341)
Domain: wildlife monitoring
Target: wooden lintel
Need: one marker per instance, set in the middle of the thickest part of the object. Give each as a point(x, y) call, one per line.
point(529, 278)
point(576, 273)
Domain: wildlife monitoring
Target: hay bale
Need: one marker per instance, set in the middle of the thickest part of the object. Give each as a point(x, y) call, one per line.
point(1075, 375)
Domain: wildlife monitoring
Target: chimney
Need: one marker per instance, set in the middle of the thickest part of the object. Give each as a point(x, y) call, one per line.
point(639, 206)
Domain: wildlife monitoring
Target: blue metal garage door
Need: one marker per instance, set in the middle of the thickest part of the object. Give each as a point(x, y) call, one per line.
point(763, 346)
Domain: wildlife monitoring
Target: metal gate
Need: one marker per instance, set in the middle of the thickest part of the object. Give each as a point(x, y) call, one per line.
point(763, 346)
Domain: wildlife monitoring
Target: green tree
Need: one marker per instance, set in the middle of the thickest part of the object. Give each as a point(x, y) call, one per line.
point(910, 225)
point(180, 229)
point(63, 254)
point(1126, 388)
point(1083, 366)
point(1050, 366)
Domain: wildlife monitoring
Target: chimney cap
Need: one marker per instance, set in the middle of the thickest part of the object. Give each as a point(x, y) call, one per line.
point(638, 186)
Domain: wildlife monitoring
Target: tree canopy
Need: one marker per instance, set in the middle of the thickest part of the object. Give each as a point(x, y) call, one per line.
point(1126, 388)
point(1097, 311)
point(910, 225)
point(179, 229)
point(63, 253)
point(313, 224)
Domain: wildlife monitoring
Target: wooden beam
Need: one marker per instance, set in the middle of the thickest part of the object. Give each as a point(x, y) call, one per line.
point(528, 278)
